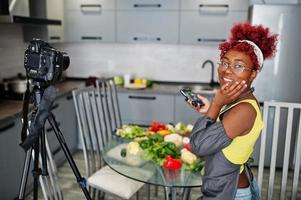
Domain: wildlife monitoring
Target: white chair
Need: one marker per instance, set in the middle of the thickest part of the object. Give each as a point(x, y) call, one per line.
point(93, 123)
point(276, 116)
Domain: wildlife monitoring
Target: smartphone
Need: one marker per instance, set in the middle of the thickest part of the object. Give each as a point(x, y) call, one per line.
point(195, 101)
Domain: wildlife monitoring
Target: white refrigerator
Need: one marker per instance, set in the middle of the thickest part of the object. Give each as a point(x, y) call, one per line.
point(280, 78)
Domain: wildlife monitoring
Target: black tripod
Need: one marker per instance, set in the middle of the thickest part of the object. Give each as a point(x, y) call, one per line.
point(35, 140)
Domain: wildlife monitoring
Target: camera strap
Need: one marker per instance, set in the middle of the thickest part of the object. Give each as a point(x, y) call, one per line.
point(26, 99)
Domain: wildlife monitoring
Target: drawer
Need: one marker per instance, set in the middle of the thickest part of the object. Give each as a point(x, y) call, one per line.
point(183, 112)
point(148, 4)
point(215, 6)
point(195, 28)
point(143, 26)
point(89, 5)
point(99, 26)
point(146, 107)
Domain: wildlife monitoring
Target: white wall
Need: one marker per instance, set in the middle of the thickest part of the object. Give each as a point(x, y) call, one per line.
point(154, 61)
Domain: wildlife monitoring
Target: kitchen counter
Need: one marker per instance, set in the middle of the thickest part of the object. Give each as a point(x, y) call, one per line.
point(161, 88)
point(12, 108)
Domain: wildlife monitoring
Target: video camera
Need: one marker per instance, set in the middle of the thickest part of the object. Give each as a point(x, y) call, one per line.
point(43, 63)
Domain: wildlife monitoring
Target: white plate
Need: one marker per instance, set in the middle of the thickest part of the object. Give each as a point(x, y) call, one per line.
point(135, 86)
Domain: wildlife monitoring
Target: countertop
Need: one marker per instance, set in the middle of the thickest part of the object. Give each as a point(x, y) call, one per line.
point(12, 108)
point(161, 88)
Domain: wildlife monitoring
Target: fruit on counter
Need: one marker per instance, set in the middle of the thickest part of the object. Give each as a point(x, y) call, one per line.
point(172, 164)
point(156, 126)
point(187, 156)
point(119, 80)
point(138, 81)
point(174, 138)
point(133, 148)
point(130, 131)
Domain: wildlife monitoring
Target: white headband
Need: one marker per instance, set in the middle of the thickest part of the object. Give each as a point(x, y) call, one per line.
point(256, 50)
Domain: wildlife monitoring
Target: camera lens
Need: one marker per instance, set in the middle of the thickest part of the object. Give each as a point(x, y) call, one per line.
point(66, 61)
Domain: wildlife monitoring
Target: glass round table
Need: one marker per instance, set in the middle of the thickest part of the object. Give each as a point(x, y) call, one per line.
point(134, 167)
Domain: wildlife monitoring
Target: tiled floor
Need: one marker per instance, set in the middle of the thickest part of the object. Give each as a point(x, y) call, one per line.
point(71, 190)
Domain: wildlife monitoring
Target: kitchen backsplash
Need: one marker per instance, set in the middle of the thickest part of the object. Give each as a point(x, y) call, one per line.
point(154, 61)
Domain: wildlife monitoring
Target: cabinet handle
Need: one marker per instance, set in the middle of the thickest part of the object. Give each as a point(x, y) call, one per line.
point(90, 7)
point(55, 37)
point(211, 40)
point(6, 127)
point(55, 106)
point(214, 8)
point(91, 38)
point(147, 38)
point(51, 129)
point(142, 97)
point(147, 5)
point(214, 5)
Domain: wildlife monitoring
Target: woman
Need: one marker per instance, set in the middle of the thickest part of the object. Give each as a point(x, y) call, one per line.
point(226, 134)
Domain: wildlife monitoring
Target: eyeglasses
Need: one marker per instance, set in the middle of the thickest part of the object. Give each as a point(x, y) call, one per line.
point(237, 68)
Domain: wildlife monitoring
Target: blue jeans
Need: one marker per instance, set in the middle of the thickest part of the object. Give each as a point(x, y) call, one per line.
point(243, 194)
point(249, 193)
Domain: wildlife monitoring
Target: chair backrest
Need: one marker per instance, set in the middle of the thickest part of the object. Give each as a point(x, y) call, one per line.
point(50, 184)
point(90, 118)
point(283, 125)
point(108, 89)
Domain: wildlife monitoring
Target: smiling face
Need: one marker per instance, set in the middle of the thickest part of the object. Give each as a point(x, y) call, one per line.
point(244, 68)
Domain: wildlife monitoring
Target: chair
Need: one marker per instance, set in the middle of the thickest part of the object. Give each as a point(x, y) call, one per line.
point(280, 118)
point(92, 111)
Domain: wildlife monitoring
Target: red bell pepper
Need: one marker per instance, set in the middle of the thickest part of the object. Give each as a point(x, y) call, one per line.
point(172, 164)
point(187, 146)
point(156, 126)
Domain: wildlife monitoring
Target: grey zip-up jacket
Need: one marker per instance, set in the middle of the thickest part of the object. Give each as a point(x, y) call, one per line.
point(207, 140)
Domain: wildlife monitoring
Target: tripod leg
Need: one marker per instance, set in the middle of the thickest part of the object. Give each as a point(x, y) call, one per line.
point(43, 154)
point(81, 181)
point(25, 174)
point(36, 171)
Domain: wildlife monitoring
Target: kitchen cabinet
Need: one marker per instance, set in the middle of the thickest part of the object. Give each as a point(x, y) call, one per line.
point(183, 112)
point(55, 10)
point(64, 111)
point(12, 158)
point(90, 21)
point(148, 4)
point(209, 22)
point(137, 108)
point(147, 21)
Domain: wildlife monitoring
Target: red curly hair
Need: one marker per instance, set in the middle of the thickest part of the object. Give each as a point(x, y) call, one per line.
point(258, 34)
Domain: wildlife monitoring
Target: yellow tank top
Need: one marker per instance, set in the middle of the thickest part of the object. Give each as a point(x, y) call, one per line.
point(241, 147)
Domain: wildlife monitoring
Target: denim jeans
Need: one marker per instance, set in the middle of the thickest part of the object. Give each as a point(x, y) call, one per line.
point(243, 194)
point(249, 193)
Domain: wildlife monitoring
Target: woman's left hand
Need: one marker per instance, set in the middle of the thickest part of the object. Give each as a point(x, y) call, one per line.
point(229, 92)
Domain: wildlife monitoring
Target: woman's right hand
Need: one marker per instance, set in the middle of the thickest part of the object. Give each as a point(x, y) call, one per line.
point(201, 109)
